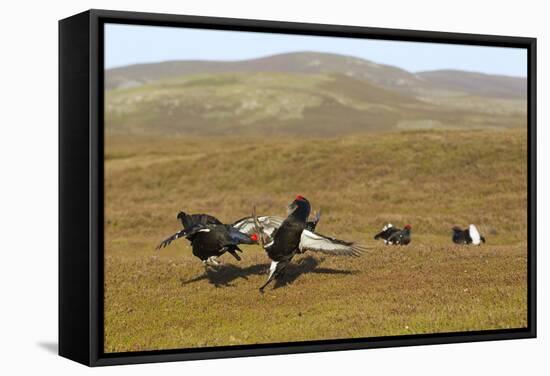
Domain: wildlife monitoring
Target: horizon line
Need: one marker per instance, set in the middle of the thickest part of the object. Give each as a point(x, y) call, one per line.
point(306, 52)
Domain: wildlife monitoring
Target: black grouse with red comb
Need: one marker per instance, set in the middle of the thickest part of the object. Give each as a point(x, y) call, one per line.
point(283, 240)
point(394, 236)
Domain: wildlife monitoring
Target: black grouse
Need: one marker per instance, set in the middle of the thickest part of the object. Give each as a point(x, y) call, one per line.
point(469, 236)
point(283, 239)
point(395, 236)
point(209, 237)
point(387, 231)
point(270, 223)
point(402, 237)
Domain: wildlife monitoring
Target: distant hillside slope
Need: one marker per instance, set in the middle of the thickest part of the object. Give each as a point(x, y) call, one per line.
point(477, 83)
point(300, 62)
point(291, 103)
point(384, 76)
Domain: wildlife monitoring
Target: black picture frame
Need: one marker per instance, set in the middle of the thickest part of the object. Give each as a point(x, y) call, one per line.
point(81, 186)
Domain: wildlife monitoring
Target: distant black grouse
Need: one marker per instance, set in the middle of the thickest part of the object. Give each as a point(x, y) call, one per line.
point(283, 238)
point(469, 236)
point(387, 231)
point(209, 237)
point(394, 236)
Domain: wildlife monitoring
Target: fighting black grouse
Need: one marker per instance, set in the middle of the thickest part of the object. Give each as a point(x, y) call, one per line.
point(209, 237)
point(282, 239)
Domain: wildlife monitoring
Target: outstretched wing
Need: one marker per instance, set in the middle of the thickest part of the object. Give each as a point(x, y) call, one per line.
point(268, 223)
point(182, 234)
point(190, 220)
point(167, 241)
point(311, 241)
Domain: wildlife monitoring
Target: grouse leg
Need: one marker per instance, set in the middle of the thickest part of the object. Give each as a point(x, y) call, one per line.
point(211, 261)
point(206, 264)
point(276, 270)
point(232, 252)
point(272, 274)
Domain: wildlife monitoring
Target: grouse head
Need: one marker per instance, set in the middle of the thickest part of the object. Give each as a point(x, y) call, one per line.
point(299, 208)
point(182, 217)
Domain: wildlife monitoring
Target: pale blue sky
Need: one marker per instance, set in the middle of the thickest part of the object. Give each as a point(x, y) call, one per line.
point(131, 44)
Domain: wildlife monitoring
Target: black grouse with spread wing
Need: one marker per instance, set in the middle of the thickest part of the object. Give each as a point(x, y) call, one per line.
point(209, 237)
point(271, 223)
point(283, 239)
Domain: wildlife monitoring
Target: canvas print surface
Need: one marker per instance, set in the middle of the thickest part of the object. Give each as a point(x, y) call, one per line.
point(269, 188)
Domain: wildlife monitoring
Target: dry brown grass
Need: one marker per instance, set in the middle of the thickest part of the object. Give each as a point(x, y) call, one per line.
point(431, 179)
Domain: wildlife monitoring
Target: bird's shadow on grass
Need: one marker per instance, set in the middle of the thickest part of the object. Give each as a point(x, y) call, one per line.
point(306, 265)
point(225, 274)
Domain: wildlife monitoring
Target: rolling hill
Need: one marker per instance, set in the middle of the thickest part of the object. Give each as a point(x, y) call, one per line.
point(305, 93)
point(301, 62)
point(384, 76)
point(293, 103)
point(477, 83)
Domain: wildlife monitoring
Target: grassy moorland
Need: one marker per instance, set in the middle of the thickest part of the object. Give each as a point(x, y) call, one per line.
point(432, 179)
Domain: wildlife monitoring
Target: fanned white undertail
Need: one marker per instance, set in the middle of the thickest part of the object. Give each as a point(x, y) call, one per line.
point(474, 234)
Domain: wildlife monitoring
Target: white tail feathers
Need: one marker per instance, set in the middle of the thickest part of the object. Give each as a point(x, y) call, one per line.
point(474, 234)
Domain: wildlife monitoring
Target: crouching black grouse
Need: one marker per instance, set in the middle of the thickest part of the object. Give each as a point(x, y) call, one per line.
point(469, 236)
point(282, 239)
point(395, 236)
point(209, 237)
point(387, 231)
